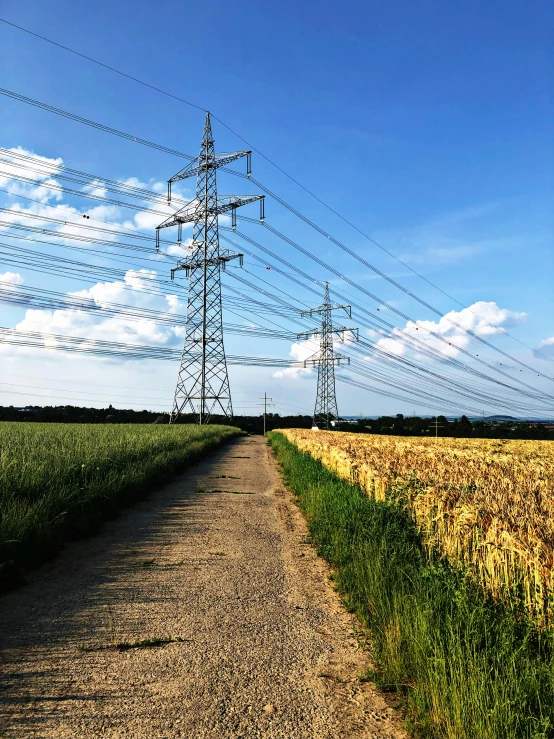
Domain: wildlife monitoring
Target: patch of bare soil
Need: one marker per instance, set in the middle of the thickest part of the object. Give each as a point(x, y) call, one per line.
point(199, 613)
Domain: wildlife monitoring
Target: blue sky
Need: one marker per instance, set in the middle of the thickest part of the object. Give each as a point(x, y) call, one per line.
point(428, 125)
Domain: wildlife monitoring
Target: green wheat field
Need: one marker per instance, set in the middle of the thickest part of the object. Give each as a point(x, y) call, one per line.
point(59, 481)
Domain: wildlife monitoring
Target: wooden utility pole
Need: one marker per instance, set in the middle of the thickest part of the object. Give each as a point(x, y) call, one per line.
point(265, 405)
point(437, 424)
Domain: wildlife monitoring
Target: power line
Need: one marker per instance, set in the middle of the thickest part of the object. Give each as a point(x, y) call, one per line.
point(398, 312)
point(41, 339)
point(94, 124)
point(407, 364)
point(266, 295)
point(251, 241)
point(292, 210)
point(342, 276)
point(48, 170)
point(269, 160)
point(102, 64)
point(420, 347)
point(266, 292)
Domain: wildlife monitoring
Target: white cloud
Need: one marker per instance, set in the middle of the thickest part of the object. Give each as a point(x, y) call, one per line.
point(175, 304)
point(96, 188)
point(40, 183)
point(153, 184)
point(45, 166)
point(135, 182)
point(177, 250)
point(483, 318)
point(158, 186)
point(302, 350)
point(119, 328)
point(43, 191)
point(373, 334)
point(139, 288)
point(292, 373)
point(145, 220)
point(12, 278)
point(299, 351)
point(24, 215)
point(141, 279)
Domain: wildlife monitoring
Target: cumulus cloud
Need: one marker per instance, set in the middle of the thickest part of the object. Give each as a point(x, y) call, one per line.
point(118, 327)
point(152, 184)
point(43, 191)
point(292, 373)
point(483, 318)
point(35, 181)
point(179, 250)
point(373, 334)
point(30, 178)
point(103, 293)
point(299, 352)
point(145, 219)
point(302, 350)
point(39, 184)
point(13, 166)
point(11, 278)
point(175, 304)
point(96, 188)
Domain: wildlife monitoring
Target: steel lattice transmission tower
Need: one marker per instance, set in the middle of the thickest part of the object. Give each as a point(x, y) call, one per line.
point(202, 387)
point(326, 411)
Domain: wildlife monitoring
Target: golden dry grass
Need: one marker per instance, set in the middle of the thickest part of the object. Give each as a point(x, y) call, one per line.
point(487, 504)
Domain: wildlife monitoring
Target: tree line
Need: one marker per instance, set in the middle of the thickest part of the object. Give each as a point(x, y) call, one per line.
point(398, 425)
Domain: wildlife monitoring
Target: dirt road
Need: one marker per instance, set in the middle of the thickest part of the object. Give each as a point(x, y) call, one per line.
point(242, 635)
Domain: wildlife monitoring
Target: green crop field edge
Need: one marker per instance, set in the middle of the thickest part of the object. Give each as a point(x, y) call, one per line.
point(464, 666)
point(60, 481)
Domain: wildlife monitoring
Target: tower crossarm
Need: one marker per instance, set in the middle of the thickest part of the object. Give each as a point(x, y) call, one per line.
point(317, 360)
point(215, 161)
point(327, 307)
point(197, 261)
point(335, 330)
point(225, 203)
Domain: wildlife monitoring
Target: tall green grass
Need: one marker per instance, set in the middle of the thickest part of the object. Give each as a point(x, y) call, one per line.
point(464, 665)
point(58, 481)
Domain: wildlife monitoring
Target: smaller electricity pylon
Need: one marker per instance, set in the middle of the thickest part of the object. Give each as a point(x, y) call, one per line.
point(326, 412)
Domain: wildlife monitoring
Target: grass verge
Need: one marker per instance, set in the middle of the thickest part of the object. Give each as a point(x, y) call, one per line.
point(59, 481)
point(466, 667)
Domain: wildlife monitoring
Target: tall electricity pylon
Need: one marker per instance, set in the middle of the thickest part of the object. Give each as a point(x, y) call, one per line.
point(203, 383)
point(326, 411)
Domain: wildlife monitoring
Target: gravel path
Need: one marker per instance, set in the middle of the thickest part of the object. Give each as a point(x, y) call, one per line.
point(243, 635)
